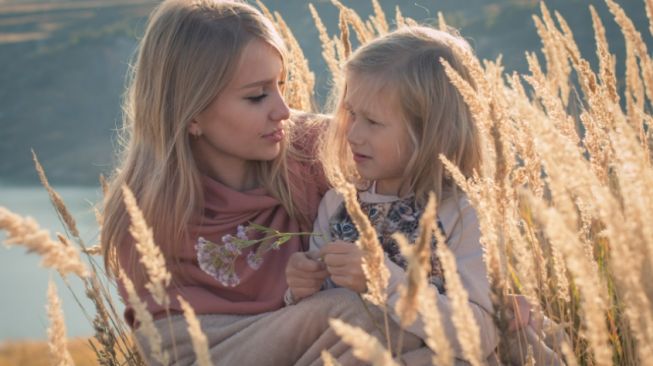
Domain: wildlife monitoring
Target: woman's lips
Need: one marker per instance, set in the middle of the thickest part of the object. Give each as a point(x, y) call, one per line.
point(274, 136)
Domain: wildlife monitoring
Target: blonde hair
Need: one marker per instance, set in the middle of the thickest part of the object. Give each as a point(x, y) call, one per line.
point(190, 51)
point(405, 65)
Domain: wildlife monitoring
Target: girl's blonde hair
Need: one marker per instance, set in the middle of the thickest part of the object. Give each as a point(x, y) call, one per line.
point(189, 53)
point(405, 65)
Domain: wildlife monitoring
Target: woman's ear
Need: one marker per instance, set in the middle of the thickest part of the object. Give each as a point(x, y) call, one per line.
point(194, 128)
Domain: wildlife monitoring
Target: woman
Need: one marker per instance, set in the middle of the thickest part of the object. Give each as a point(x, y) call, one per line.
point(210, 148)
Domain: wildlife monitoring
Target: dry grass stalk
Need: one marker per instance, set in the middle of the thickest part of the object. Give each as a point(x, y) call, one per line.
point(649, 14)
point(442, 24)
point(26, 232)
point(593, 298)
point(104, 333)
point(418, 269)
point(399, 18)
point(344, 35)
point(379, 20)
point(145, 319)
point(328, 46)
point(364, 346)
point(151, 256)
point(198, 338)
point(477, 103)
point(634, 40)
point(363, 33)
point(57, 342)
point(265, 10)
point(554, 106)
point(56, 199)
point(327, 359)
point(376, 272)
point(467, 330)
point(636, 176)
point(104, 184)
point(436, 338)
point(557, 65)
point(301, 80)
point(607, 61)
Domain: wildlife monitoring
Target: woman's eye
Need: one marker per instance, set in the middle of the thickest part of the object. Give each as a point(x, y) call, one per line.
point(372, 122)
point(257, 98)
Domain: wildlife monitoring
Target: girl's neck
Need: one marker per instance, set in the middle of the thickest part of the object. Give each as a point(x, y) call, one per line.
point(391, 188)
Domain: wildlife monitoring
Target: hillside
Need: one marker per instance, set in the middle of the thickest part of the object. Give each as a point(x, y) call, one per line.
point(62, 66)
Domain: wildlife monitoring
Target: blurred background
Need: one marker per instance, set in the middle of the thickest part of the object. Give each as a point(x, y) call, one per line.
point(62, 75)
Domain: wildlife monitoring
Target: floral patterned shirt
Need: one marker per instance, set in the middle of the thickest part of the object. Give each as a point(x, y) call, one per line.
point(401, 215)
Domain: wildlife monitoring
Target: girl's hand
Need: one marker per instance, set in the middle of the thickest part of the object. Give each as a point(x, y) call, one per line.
point(304, 275)
point(344, 261)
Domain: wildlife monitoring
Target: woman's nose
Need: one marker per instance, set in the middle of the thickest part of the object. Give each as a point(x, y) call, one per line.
point(281, 110)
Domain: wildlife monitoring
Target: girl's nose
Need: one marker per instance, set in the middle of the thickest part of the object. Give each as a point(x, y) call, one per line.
point(353, 133)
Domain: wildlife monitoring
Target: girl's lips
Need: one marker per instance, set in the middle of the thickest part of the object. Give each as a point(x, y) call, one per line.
point(359, 158)
point(274, 136)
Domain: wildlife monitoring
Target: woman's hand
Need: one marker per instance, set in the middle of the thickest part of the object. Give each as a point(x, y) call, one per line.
point(344, 261)
point(304, 275)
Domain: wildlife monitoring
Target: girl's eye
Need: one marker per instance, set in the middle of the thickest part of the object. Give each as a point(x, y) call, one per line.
point(257, 98)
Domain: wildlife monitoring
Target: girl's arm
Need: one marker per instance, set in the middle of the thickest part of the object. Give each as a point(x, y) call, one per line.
point(305, 273)
point(463, 233)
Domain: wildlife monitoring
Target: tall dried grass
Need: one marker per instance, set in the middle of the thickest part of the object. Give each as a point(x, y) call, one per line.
point(563, 198)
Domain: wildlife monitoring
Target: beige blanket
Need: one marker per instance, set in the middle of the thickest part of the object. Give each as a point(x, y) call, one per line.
point(294, 335)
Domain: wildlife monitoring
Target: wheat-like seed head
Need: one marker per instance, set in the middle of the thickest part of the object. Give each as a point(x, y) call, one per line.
point(151, 256)
point(364, 346)
point(145, 319)
point(57, 342)
point(467, 329)
point(436, 338)
point(418, 269)
point(198, 338)
point(56, 199)
point(376, 272)
point(26, 232)
point(327, 359)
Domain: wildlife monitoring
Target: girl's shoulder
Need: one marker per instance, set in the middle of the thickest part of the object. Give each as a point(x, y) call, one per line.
point(458, 217)
point(331, 202)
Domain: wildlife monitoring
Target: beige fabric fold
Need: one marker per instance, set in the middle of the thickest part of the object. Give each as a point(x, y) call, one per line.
point(294, 335)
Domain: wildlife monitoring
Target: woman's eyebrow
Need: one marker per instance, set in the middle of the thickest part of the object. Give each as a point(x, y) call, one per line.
point(258, 83)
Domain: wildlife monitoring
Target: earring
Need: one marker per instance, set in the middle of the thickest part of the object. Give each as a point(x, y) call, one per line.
point(195, 132)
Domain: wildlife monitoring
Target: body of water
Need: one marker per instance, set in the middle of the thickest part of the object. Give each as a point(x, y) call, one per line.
point(23, 282)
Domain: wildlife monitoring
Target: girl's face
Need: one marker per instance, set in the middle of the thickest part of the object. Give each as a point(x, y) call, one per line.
point(378, 138)
point(244, 122)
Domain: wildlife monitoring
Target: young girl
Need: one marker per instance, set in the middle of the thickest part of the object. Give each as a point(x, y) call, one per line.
point(396, 115)
point(210, 148)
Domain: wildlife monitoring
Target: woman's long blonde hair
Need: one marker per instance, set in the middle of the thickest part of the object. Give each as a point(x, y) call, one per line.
point(188, 54)
point(405, 65)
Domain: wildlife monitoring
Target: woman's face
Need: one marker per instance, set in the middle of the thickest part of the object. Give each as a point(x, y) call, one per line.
point(245, 121)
